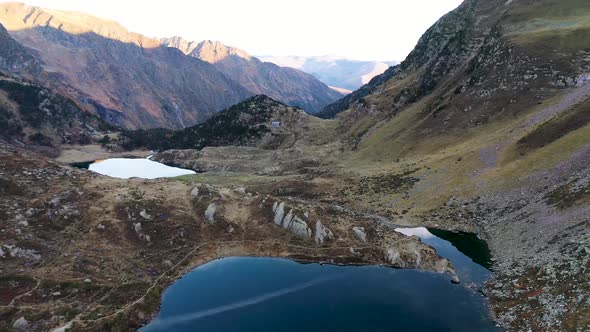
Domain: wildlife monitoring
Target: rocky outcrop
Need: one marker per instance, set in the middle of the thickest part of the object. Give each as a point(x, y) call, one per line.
point(290, 221)
point(322, 233)
point(410, 254)
point(14, 251)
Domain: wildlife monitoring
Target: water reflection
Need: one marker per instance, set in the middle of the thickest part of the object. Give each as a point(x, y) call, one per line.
point(125, 168)
point(470, 270)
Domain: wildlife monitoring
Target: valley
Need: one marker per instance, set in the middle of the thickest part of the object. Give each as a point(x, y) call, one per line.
point(480, 137)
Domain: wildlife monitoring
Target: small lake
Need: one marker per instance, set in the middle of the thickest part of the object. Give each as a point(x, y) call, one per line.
point(266, 294)
point(125, 168)
point(469, 254)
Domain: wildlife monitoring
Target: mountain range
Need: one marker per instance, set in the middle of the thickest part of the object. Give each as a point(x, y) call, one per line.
point(138, 82)
point(338, 72)
point(484, 128)
point(288, 85)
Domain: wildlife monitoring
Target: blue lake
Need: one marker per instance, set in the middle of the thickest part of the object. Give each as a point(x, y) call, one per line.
point(265, 294)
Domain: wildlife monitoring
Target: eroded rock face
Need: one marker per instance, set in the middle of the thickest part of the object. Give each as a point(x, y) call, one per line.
point(300, 228)
point(290, 222)
point(279, 210)
point(322, 233)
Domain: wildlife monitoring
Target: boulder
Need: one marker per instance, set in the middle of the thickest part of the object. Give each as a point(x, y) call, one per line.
point(360, 233)
point(21, 325)
point(195, 192)
point(210, 212)
point(145, 215)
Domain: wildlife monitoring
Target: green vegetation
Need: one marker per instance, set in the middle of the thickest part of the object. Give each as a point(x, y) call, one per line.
point(562, 24)
point(382, 184)
point(238, 125)
point(557, 127)
point(9, 127)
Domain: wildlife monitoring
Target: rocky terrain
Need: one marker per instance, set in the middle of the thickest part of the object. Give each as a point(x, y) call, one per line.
point(484, 128)
point(93, 253)
point(287, 85)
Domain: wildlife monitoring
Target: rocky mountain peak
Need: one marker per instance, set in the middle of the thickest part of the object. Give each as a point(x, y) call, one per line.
point(215, 51)
point(19, 16)
point(186, 46)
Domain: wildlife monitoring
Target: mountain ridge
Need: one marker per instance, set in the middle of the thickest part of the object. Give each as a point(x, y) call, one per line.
point(131, 83)
point(288, 85)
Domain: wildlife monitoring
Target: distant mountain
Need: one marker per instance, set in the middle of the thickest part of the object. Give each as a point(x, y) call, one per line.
point(129, 79)
point(337, 72)
point(288, 85)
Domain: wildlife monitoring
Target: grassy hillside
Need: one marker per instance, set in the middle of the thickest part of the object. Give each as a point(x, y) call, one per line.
point(490, 118)
point(31, 114)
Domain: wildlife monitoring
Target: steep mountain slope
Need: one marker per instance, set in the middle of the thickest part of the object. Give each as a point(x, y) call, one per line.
point(15, 58)
point(35, 118)
point(491, 111)
point(287, 85)
point(128, 79)
point(334, 71)
point(464, 51)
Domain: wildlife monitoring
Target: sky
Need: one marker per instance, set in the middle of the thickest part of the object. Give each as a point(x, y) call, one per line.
point(363, 30)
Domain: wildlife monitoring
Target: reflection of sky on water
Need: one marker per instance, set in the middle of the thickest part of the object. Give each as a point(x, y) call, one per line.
point(125, 168)
point(467, 269)
point(264, 294)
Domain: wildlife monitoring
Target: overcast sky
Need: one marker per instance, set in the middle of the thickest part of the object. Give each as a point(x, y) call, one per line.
point(364, 29)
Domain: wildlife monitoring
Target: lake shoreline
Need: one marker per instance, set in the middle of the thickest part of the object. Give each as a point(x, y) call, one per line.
point(314, 260)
